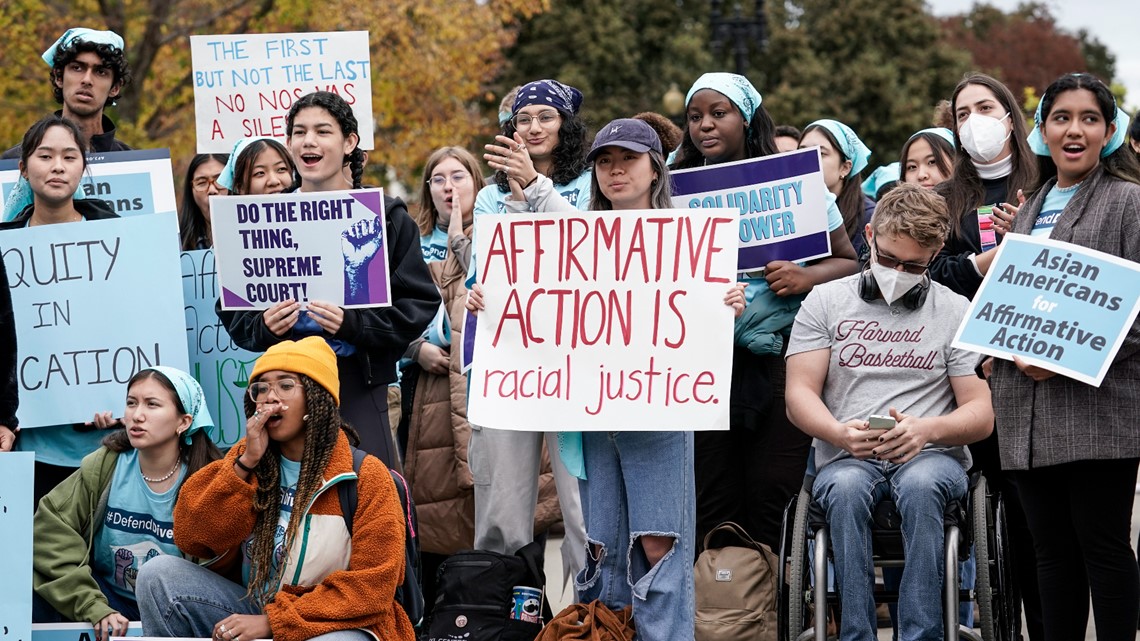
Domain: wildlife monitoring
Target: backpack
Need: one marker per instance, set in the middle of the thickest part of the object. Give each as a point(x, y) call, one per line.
point(409, 595)
point(474, 596)
point(735, 588)
point(591, 621)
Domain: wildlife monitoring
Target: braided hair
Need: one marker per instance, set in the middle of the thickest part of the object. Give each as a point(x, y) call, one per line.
point(340, 110)
point(322, 428)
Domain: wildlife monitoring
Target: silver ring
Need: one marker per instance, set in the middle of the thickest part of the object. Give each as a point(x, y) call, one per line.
point(223, 628)
point(520, 147)
point(256, 413)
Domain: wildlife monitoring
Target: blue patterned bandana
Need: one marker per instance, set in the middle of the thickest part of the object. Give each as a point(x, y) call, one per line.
point(549, 93)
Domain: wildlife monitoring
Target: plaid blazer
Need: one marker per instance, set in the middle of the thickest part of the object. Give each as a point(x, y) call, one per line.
point(1061, 420)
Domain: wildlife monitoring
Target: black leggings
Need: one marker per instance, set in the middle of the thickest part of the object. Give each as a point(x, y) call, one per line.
point(1081, 515)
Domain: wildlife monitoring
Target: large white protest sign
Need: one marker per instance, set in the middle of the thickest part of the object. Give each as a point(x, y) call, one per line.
point(244, 84)
point(1055, 305)
point(601, 321)
point(94, 303)
point(329, 246)
point(781, 201)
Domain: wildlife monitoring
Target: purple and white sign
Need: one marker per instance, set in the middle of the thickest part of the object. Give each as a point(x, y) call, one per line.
point(327, 246)
point(782, 201)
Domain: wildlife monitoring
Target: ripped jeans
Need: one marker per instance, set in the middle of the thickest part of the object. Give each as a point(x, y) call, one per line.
point(640, 483)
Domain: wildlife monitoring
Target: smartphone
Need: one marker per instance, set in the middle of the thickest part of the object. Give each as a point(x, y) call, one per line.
point(881, 422)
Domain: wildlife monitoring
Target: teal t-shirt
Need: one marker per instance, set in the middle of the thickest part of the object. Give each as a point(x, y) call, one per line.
point(138, 525)
point(290, 472)
point(1055, 202)
point(434, 245)
point(59, 445)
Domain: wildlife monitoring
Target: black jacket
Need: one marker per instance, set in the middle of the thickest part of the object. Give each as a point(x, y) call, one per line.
point(952, 267)
point(99, 143)
point(381, 335)
point(89, 208)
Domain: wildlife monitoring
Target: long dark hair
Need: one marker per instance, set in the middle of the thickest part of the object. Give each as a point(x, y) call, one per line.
point(35, 135)
point(191, 221)
point(850, 198)
point(322, 427)
point(759, 141)
point(660, 192)
point(243, 166)
point(1120, 163)
point(200, 452)
point(943, 153)
point(569, 155)
point(964, 191)
point(341, 111)
point(426, 215)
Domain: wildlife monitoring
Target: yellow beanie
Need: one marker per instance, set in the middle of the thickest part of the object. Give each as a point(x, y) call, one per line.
point(310, 356)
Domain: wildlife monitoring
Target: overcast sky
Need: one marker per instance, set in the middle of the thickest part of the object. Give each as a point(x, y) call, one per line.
point(1113, 22)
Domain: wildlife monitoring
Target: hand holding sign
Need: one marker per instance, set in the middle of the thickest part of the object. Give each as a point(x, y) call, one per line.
point(281, 318)
point(787, 278)
point(7, 438)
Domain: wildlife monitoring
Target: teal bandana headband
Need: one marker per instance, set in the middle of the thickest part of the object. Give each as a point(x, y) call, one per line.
point(1037, 140)
point(735, 87)
point(879, 179)
point(226, 178)
point(849, 143)
point(87, 35)
point(192, 397)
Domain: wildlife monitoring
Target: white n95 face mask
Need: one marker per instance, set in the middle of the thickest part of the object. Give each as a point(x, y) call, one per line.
point(894, 284)
point(983, 137)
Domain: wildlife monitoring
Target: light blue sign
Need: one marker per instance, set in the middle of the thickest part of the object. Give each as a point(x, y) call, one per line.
point(1056, 305)
point(94, 303)
point(215, 360)
point(16, 475)
point(75, 631)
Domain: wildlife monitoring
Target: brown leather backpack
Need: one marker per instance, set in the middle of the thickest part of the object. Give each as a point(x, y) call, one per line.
point(589, 622)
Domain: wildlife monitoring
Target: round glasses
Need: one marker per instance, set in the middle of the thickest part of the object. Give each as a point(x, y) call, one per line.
point(285, 388)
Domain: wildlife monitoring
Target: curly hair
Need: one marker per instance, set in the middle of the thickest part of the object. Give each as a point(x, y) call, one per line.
point(759, 141)
point(669, 133)
point(916, 213)
point(322, 427)
point(112, 57)
point(192, 225)
point(341, 111)
point(243, 165)
point(426, 215)
point(569, 154)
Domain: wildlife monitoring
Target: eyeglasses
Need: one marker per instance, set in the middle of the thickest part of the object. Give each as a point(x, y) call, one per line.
point(285, 388)
point(202, 183)
point(545, 118)
point(457, 178)
point(891, 262)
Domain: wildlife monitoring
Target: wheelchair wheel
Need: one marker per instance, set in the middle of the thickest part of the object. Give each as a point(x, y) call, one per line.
point(995, 605)
point(798, 573)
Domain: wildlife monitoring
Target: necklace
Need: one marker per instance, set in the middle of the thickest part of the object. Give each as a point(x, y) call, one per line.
point(169, 474)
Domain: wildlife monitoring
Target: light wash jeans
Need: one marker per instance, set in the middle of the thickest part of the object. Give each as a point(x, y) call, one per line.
point(640, 483)
point(179, 598)
point(847, 490)
point(505, 466)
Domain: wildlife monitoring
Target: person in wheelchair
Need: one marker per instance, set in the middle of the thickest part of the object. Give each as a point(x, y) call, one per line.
point(874, 343)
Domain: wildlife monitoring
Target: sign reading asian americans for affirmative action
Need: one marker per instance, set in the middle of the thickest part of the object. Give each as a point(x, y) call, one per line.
point(604, 320)
point(781, 199)
point(1056, 305)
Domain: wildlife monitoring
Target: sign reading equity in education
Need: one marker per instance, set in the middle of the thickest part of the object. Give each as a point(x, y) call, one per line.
point(130, 182)
point(604, 320)
point(244, 84)
point(215, 360)
point(1055, 305)
point(782, 201)
point(328, 246)
point(94, 303)
point(16, 475)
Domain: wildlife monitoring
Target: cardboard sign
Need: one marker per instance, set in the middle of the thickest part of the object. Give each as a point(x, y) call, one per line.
point(600, 321)
point(1055, 305)
point(329, 246)
point(781, 201)
point(94, 303)
point(244, 84)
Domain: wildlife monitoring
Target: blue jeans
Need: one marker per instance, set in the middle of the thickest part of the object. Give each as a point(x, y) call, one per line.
point(847, 490)
point(179, 598)
point(638, 484)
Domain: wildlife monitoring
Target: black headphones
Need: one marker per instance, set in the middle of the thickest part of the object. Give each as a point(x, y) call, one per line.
point(912, 299)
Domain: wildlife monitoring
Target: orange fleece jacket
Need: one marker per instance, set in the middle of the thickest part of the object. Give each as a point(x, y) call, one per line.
point(214, 515)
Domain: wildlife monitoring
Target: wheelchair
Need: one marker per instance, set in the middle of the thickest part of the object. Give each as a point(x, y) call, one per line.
point(977, 520)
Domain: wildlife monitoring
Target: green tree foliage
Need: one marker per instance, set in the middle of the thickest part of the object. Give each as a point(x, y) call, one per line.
point(622, 55)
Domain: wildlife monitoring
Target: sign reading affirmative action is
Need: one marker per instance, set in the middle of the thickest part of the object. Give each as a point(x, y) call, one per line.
point(130, 182)
point(604, 320)
point(1056, 305)
point(215, 360)
point(329, 246)
point(244, 84)
point(781, 201)
point(94, 303)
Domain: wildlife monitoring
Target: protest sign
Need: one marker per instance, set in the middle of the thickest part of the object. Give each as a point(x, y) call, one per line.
point(77, 631)
point(16, 476)
point(1056, 305)
point(781, 200)
point(216, 361)
point(244, 84)
point(94, 303)
point(604, 320)
point(329, 246)
point(130, 182)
